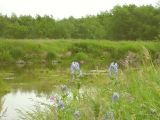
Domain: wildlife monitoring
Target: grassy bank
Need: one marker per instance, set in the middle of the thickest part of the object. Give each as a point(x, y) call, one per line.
point(93, 53)
point(4, 88)
point(139, 96)
point(137, 84)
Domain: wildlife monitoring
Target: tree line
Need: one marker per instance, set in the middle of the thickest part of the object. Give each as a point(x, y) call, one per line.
point(127, 22)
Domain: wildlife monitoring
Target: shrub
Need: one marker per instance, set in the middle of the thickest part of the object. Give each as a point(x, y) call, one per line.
point(81, 56)
point(86, 47)
point(5, 56)
point(17, 52)
point(51, 56)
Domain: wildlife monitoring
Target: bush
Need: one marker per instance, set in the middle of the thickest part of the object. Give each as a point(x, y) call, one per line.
point(81, 56)
point(51, 56)
point(86, 47)
point(4, 87)
point(17, 52)
point(5, 56)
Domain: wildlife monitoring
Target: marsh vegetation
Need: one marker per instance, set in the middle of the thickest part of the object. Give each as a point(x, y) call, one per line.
point(35, 80)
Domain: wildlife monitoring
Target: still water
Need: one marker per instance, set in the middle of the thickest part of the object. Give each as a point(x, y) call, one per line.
point(28, 87)
point(19, 100)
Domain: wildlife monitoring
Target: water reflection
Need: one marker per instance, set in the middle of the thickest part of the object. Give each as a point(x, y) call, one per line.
point(36, 85)
point(19, 100)
point(28, 86)
point(2, 111)
point(26, 100)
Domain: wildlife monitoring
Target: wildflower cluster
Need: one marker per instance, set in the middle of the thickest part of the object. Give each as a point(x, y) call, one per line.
point(62, 101)
point(113, 70)
point(57, 101)
point(115, 97)
point(75, 69)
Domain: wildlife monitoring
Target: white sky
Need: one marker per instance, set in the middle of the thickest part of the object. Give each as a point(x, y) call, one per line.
point(63, 8)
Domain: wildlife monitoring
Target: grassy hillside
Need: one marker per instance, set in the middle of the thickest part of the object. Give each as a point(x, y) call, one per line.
point(93, 53)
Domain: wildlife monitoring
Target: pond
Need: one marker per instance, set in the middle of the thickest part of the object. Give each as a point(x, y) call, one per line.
point(32, 86)
point(28, 86)
point(19, 100)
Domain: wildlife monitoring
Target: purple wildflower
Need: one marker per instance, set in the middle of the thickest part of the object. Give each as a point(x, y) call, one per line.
point(52, 98)
point(115, 97)
point(75, 69)
point(64, 88)
point(77, 114)
point(113, 69)
point(61, 105)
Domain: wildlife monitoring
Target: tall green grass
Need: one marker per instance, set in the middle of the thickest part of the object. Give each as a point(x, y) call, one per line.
point(139, 91)
point(4, 88)
point(65, 51)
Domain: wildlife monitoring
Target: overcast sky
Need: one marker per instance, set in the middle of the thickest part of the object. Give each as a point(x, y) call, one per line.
point(63, 8)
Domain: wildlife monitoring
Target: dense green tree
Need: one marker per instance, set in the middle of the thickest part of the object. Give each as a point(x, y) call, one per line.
point(131, 22)
point(127, 22)
point(64, 29)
